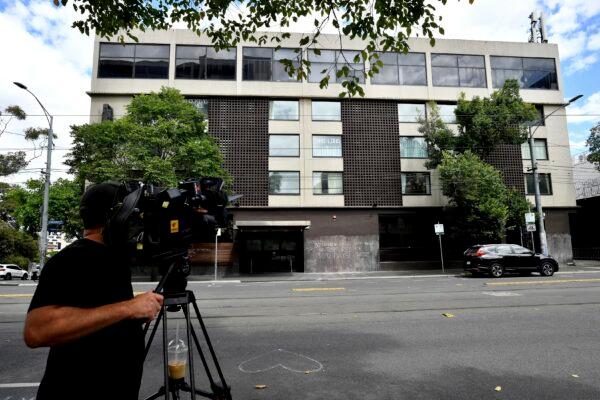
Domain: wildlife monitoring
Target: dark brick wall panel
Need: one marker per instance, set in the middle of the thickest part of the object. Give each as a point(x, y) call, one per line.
point(508, 160)
point(371, 150)
point(241, 126)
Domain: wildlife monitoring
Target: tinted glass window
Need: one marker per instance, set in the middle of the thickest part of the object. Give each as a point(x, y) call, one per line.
point(531, 73)
point(264, 64)
point(284, 182)
point(410, 112)
point(330, 61)
point(458, 70)
point(327, 146)
point(540, 149)
point(413, 147)
point(503, 249)
point(545, 184)
point(283, 109)
point(326, 111)
point(520, 250)
point(327, 183)
point(403, 69)
point(145, 61)
point(416, 183)
point(284, 145)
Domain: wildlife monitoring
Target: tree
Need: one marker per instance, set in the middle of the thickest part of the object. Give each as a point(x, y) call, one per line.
point(593, 142)
point(162, 139)
point(383, 25)
point(13, 162)
point(16, 247)
point(501, 118)
point(476, 189)
point(438, 137)
point(23, 204)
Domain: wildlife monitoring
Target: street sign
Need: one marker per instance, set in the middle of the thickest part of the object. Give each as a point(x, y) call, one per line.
point(530, 218)
point(530, 227)
point(219, 232)
point(439, 229)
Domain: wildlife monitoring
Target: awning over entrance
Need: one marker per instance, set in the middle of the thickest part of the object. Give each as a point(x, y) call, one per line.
point(272, 224)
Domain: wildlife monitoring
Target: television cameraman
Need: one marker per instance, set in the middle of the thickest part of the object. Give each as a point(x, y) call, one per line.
point(85, 311)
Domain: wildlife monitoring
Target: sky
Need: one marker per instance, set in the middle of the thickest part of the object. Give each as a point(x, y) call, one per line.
point(41, 50)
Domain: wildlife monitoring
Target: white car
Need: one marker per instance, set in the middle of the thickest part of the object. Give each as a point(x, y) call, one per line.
point(10, 271)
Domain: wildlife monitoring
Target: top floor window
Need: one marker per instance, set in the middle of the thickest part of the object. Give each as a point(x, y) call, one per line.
point(204, 62)
point(264, 64)
point(458, 70)
point(401, 69)
point(531, 73)
point(142, 61)
point(329, 62)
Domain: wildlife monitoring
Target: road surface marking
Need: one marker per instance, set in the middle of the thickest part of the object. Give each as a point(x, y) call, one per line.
point(294, 362)
point(501, 294)
point(319, 289)
point(18, 385)
point(544, 282)
point(15, 295)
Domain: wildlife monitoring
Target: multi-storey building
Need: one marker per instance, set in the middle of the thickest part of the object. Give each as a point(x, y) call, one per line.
point(341, 185)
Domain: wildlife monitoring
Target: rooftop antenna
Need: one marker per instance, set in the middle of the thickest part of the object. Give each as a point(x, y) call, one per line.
point(537, 30)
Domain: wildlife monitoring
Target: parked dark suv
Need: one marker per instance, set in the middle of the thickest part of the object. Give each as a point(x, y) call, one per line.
point(496, 259)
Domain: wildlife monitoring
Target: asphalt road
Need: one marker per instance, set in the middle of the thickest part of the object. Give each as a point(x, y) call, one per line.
point(511, 338)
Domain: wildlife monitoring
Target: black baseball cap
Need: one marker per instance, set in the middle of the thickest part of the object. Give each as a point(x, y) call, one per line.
point(97, 202)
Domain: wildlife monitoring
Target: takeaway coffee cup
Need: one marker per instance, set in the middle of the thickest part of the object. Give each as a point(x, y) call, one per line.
point(177, 358)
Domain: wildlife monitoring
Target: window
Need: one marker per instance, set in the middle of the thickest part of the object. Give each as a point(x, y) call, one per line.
point(446, 112)
point(540, 149)
point(143, 61)
point(401, 69)
point(504, 249)
point(327, 146)
point(327, 183)
point(520, 250)
point(204, 62)
point(541, 117)
point(416, 183)
point(410, 112)
point(201, 105)
point(531, 73)
point(283, 110)
point(326, 111)
point(284, 182)
point(264, 64)
point(545, 184)
point(329, 62)
point(413, 147)
point(458, 70)
point(284, 145)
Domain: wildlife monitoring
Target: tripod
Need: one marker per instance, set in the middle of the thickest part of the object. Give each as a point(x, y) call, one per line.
point(181, 301)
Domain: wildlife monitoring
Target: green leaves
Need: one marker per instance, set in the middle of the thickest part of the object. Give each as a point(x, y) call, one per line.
point(593, 142)
point(162, 139)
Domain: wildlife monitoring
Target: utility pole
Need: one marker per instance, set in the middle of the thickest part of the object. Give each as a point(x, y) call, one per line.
point(43, 243)
point(536, 178)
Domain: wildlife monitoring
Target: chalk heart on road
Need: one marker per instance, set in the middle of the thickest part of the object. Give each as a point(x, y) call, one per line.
point(280, 358)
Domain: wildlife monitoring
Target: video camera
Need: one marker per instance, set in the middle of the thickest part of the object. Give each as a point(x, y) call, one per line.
point(156, 226)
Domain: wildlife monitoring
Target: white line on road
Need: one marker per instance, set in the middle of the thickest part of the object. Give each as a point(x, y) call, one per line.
point(501, 294)
point(18, 385)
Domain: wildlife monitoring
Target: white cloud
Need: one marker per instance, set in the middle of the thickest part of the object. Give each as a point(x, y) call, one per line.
point(588, 110)
point(581, 64)
point(41, 50)
point(569, 45)
point(594, 42)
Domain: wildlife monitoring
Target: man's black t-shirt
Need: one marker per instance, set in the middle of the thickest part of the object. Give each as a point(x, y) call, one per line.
point(107, 363)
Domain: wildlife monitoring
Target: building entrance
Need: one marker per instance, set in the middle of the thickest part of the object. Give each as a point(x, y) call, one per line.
point(270, 251)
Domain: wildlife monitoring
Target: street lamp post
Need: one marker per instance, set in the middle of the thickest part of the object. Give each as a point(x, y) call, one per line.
point(43, 244)
point(536, 178)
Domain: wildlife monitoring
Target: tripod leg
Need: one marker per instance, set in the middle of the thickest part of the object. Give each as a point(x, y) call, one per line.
point(165, 353)
point(186, 312)
point(212, 351)
point(151, 338)
point(202, 357)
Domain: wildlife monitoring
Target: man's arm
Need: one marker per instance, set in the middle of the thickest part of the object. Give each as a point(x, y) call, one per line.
point(54, 325)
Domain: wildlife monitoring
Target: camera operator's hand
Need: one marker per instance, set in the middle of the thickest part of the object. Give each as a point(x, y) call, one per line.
point(145, 306)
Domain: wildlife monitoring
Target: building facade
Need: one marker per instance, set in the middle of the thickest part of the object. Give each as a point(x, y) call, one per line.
point(335, 185)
